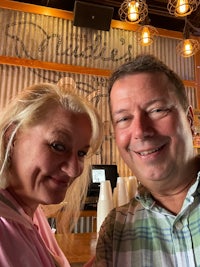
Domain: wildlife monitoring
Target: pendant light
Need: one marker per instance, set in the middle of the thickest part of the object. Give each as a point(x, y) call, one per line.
point(187, 47)
point(146, 35)
point(182, 8)
point(133, 11)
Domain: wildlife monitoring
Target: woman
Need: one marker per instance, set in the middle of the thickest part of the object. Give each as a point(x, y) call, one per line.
point(46, 132)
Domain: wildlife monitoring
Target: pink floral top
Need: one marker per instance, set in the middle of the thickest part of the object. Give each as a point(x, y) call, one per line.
point(23, 242)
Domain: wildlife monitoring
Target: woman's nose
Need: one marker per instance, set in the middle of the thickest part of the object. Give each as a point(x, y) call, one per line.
point(72, 166)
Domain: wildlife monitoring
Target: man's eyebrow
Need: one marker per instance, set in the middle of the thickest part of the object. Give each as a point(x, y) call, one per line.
point(160, 100)
point(119, 111)
point(152, 101)
point(155, 100)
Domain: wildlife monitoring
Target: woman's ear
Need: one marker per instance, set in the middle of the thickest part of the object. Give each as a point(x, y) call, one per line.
point(190, 116)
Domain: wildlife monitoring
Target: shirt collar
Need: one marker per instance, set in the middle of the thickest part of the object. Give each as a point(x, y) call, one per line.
point(145, 197)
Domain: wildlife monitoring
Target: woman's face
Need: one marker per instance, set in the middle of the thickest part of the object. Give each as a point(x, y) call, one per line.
point(46, 158)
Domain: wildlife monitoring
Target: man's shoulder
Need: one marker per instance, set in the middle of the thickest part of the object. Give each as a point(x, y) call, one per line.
point(120, 213)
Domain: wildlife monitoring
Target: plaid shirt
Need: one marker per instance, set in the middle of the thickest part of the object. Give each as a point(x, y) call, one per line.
point(142, 234)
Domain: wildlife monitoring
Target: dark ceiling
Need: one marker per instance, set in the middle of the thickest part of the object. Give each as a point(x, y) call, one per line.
point(158, 14)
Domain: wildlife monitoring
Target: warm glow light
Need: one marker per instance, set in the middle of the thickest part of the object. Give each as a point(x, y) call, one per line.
point(133, 12)
point(145, 36)
point(182, 6)
point(188, 48)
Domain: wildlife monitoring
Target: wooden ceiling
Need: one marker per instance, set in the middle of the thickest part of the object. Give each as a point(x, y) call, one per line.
point(158, 14)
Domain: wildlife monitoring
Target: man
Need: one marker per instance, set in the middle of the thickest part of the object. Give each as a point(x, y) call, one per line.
point(153, 125)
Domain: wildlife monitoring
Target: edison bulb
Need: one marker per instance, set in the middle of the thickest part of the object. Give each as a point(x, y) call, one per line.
point(182, 7)
point(187, 49)
point(133, 11)
point(146, 40)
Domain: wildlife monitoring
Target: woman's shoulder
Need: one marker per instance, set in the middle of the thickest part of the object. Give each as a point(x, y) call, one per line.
point(9, 213)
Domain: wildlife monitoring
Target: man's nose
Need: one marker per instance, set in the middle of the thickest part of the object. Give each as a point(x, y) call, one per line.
point(142, 127)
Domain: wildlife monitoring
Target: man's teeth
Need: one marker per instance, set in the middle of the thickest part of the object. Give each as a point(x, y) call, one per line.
point(144, 153)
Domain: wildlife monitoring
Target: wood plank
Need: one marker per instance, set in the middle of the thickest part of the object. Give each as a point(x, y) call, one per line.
point(14, 61)
point(36, 9)
point(79, 248)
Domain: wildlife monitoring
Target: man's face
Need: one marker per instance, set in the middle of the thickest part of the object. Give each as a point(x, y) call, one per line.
point(153, 133)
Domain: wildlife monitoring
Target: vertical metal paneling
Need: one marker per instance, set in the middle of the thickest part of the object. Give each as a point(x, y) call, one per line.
point(57, 40)
point(192, 97)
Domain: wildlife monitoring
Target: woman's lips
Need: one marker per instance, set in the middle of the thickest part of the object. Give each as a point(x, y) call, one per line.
point(62, 182)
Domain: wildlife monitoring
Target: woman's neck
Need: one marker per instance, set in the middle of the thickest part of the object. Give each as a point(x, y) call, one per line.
point(28, 209)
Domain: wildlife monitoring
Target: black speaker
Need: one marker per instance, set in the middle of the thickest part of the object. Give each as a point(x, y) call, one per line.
point(92, 16)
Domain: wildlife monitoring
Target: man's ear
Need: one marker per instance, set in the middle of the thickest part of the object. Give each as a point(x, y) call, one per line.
point(190, 117)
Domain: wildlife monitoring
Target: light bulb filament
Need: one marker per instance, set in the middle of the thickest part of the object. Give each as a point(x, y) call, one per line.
point(146, 36)
point(188, 49)
point(133, 11)
point(182, 6)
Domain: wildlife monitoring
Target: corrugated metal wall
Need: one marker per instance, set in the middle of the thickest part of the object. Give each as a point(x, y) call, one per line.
point(53, 39)
point(46, 38)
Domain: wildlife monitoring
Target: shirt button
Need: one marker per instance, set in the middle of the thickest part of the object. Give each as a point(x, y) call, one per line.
point(179, 226)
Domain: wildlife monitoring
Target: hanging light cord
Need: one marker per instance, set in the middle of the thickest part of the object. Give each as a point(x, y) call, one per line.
point(197, 30)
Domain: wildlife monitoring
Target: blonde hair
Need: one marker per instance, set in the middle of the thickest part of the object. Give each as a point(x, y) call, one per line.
point(28, 109)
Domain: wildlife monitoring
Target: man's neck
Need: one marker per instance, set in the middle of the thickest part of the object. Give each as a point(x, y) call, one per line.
point(172, 198)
